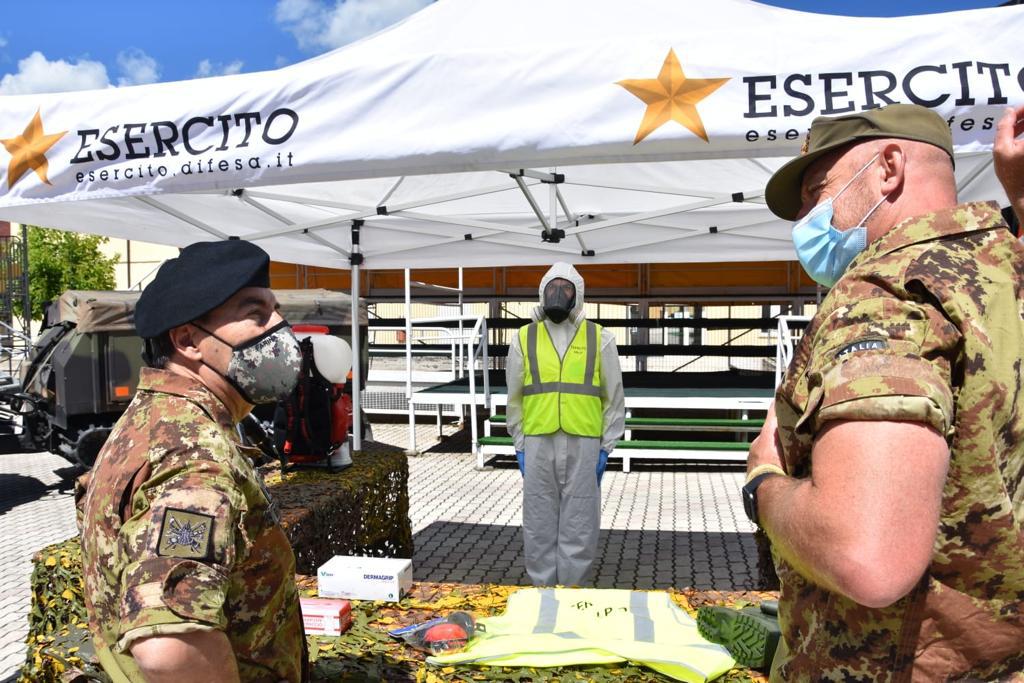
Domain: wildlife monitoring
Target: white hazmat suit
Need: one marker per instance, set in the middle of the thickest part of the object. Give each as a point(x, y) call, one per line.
point(561, 493)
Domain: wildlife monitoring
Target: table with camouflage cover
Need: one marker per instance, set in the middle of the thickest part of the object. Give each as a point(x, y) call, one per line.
point(60, 649)
point(364, 510)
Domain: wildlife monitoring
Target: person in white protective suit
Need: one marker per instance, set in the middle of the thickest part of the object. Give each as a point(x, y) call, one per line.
point(566, 410)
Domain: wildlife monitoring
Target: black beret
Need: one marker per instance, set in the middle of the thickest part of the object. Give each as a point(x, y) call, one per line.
point(205, 275)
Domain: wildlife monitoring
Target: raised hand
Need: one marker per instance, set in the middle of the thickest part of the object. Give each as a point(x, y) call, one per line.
point(1008, 157)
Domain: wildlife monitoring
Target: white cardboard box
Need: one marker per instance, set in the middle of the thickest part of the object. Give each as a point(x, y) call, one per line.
point(364, 578)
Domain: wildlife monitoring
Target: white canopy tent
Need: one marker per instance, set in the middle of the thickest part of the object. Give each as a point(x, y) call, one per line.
point(426, 120)
point(488, 133)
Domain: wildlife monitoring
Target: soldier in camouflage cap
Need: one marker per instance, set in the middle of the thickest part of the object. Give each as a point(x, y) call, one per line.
point(889, 473)
point(188, 573)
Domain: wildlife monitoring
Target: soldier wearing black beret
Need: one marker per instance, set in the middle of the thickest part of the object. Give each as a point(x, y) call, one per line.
point(188, 574)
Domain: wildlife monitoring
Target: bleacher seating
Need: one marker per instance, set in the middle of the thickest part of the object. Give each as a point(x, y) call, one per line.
point(629, 449)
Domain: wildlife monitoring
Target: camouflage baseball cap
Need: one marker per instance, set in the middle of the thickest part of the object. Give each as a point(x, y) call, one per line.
point(906, 121)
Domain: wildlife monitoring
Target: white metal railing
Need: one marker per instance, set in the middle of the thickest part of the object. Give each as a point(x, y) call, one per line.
point(11, 355)
point(472, 347)
point(477, 345)
point(784, 345)
point(455, 343)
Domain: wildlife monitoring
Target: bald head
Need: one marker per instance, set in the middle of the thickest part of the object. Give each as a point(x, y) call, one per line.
point(904, 178)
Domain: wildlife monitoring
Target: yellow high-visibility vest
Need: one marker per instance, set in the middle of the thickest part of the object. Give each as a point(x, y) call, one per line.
point(567, 626)
point(562, 393)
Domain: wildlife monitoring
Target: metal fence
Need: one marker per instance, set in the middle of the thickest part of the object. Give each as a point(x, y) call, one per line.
point(15, 308)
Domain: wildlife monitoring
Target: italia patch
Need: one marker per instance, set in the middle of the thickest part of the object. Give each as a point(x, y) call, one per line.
point(875, 344)
point(185, 534)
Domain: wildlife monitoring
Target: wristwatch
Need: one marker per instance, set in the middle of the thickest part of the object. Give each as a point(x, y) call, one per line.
point(750, 496)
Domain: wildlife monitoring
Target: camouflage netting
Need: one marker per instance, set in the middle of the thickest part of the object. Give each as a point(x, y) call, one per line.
point(366, 653)
point(57, 640)
point(60, 649)
point(363, 510)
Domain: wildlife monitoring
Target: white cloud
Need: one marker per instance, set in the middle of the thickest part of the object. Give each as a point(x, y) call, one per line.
point(318, 25)
point(207, 68)
point(3, 42)
point(138, 68)
point(37, 74)
point(280, 61)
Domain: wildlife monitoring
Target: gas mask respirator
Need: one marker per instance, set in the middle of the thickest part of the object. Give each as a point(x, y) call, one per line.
point(559, 299)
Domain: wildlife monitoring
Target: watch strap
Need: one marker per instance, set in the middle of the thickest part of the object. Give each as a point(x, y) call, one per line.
point(749, 489)
point(766, 468)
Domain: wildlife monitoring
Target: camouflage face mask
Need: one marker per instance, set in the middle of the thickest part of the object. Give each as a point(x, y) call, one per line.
point(264, 368)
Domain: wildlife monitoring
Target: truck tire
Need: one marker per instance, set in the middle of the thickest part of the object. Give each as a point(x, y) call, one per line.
point(87, 445)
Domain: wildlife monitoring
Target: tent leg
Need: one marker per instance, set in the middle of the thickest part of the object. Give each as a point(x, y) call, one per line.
point(408, 362)
point(355, 260)
point(461, 312)
point(472, 406)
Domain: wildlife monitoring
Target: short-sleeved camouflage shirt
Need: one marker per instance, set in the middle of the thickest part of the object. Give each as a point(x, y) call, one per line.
point(179, 534)
point(927, 325)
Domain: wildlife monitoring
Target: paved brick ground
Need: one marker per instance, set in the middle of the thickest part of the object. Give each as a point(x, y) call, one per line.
point(663, 525)
point(33, 514)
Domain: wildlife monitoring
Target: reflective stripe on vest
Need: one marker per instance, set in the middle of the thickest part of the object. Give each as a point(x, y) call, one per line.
point(562, 393)
point(643, 625)
point(570, 626)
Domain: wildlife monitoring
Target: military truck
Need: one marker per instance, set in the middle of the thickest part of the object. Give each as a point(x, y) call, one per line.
point(82, 370)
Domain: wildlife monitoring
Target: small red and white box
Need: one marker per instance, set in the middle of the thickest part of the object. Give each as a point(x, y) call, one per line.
point(325, 616)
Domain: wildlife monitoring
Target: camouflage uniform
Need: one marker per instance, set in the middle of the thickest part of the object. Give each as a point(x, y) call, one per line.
point(179, 534)
point(926, 326)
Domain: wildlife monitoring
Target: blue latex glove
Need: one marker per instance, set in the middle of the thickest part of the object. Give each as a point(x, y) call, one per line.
point(602, 465)
point(521, 458)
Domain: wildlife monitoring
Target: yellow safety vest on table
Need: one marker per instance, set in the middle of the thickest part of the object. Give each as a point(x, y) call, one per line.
point(562, 393)
point(544, 627)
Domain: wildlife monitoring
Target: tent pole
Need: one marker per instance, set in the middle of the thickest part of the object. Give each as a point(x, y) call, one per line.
point(459, 370)
point(471, 369)
point(355, 259)
point(553, 195)
point(408, 361)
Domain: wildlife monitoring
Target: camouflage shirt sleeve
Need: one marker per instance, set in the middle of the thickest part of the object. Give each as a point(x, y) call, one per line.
point(882, 358)
point(180, 544)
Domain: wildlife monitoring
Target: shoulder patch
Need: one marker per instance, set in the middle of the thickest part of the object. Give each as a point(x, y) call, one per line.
point(872, 344)
point(185, 534)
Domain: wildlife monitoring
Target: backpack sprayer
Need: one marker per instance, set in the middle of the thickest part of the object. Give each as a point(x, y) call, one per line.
point(311, 426)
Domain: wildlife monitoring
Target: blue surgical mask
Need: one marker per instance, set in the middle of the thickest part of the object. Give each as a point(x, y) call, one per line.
point(825, 251)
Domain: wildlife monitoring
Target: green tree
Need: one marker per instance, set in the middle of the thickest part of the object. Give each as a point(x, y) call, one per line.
point(59, 260)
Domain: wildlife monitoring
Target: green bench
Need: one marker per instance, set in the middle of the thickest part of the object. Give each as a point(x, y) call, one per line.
point(695, 424)
point(679, 424)
point(730, 451)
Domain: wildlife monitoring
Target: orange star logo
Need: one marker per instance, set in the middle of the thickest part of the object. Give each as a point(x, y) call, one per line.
point(672, 97)
point(28, 151)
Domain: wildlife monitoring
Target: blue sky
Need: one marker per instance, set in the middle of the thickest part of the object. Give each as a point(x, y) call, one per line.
point(59, 45)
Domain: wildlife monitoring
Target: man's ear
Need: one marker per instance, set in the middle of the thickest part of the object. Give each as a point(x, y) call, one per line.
point(184, 341)
point(893, 159)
